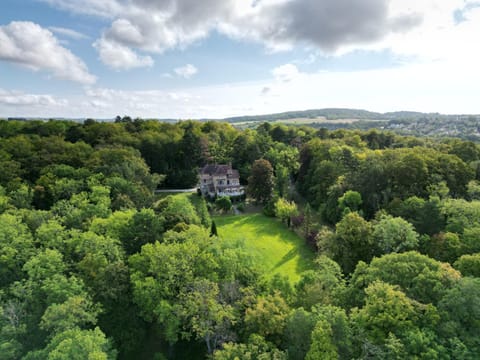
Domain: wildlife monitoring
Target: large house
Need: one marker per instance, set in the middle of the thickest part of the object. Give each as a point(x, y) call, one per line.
point(220, 180)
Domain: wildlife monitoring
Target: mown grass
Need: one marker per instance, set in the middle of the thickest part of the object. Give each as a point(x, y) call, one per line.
point(274, 248)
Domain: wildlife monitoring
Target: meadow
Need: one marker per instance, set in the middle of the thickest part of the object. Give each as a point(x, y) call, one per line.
point(275, 248)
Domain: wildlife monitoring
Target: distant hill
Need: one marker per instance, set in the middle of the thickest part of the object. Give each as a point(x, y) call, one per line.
point(330, 114)
point(403, 122)
point(340, 114)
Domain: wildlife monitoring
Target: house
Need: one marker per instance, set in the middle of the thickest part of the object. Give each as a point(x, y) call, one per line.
point(220, 180)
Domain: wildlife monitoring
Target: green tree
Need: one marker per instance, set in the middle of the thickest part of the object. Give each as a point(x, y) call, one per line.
point(76, 344)
point(16, 247)
point(394, 234)
point(324, 285)
point(444, 247)
point(261, 181)
point(473, 190)
point(177, 209)
point(144, 227)
point(285, 210)
point(418, 276)
point(213, 230)
point(297, 333)
point(469, 265)
point(207, 318)
point(425, 215)
point(349, 202)
point(388, 315)
point(223, 203)
point(202, 211)
point(267, 316)
point(255, 348)
point(340, 325)
point(460, 309)
point(22, 197)
point(353, 242)
point(322, 346)
point(76, 311)
point(158, 285)
point(44, 265)
point(307, 220)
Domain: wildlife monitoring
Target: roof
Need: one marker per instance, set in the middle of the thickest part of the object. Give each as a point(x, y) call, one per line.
point(219, 169)
point(234, 174)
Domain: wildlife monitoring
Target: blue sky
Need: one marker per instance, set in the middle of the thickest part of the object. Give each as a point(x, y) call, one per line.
point(219, 58)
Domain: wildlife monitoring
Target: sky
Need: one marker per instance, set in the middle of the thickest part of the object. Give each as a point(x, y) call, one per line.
point(192, 59)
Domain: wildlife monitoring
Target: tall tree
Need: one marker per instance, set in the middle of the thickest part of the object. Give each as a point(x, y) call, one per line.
point(394, 234)
point(322, 343)
point(353, 242)
point(261, 181)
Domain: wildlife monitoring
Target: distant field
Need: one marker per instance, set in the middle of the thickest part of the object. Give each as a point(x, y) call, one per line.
point(317, 120)
point(276, 249)
point(303, 121)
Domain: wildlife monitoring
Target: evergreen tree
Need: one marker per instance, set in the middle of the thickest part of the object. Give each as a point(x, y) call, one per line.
point(213, 229)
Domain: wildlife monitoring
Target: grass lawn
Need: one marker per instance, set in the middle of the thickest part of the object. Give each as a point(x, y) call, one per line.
point(276, 249)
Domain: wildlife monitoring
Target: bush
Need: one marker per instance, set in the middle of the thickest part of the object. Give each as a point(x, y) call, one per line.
point(269, 208)
point(223, 203)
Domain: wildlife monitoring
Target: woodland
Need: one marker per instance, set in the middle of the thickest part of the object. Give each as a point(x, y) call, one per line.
point(94, 264)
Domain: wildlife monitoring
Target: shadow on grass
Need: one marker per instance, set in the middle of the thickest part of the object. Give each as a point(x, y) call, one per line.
point(263, 232)
point(286, 258)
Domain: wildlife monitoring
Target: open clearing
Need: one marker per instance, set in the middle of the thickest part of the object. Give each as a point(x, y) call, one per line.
point(276, 249)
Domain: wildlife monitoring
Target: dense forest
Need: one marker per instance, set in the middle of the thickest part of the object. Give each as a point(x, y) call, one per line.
point(95, 265)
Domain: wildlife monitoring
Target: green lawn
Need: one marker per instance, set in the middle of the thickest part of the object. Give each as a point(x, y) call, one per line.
point(276, 249)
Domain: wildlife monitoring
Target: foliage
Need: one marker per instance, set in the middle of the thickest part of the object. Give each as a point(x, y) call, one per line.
point(296, 336)
point(95, 264)
point(267, 317)
point(418, 276)
point(285, 210)
point(223, 203)
point(394, 235)
point(322, 346)
point(469, 265)
point(256, 348)
point(350, 201)
point(76, 344)
point(353, 242)
point(261, 182)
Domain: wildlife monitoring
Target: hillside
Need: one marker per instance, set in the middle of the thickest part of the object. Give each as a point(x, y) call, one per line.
point(403, 122)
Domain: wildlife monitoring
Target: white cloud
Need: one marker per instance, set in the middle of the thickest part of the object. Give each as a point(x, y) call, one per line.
point(415, 29)
point(286, 73)
point(156, 26)
point(68, 32)
point(120, 57)
point(186, 71)
point(16, 98)
point(103, 8)
point(28, 44)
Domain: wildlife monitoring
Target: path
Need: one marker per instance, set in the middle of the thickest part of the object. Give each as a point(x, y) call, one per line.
point(175, 191)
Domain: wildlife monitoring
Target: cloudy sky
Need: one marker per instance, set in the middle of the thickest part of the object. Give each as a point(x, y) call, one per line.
point(219, 58)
